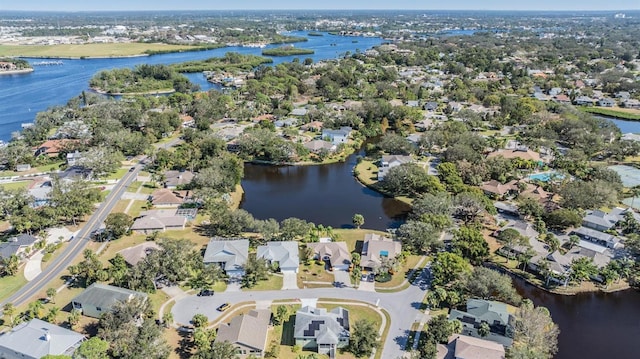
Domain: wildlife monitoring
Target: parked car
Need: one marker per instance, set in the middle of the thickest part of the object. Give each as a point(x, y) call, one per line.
point(185, 329)
point(223, 307)
point(371, 277)
point(206, 293)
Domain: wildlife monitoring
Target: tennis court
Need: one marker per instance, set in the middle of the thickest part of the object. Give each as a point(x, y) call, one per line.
point(630, 175)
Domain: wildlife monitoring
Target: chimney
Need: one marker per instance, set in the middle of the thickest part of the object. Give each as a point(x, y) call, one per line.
point(47, 336)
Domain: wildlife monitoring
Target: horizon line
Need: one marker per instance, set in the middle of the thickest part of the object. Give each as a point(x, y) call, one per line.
point(336, 9)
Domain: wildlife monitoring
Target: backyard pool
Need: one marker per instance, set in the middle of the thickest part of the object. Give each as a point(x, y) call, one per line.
point(545, 176)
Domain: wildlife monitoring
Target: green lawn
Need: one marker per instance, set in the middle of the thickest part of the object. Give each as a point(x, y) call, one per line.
point(44, 168)
point(314, 273)
point(10, 284)
point(134, 186)
point(355, 237)
point(89, 50)
point(401, 275)
point(121, 206)
point(148, 188)
point(117, 175)
point(137, 207)
point(15, 185)
point(273, 283)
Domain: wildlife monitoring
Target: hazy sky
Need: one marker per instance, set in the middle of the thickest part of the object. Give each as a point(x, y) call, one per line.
point(88, 5)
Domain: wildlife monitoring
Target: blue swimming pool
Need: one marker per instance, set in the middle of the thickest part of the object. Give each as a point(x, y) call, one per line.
point(544, 176)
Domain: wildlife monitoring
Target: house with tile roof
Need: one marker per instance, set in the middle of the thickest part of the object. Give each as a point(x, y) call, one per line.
point(498, 189)
point(134, 255)
point(169, 198)
point(247, 333)
point(466, 347)
point(322, 330)
point(173, 179)
point(100, 298)
point(36, 338)
point(521, 153)
point(228, 253)
point(284, 253)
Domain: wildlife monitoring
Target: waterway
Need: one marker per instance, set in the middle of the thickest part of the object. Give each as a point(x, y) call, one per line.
point(22, 96)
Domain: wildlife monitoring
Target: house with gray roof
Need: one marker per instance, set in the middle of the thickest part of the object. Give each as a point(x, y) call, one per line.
point(377, 247)
point(133, 255)
point(228, 253)
point(285, 254)
point(322, 330)
point(597, 237)
point(495, 314)
point(599, 220)
point(387, 162)
point(173, 179)
point(299, 112)
point(150, 224)
point(335, 252)
point(317, 146)
point(338, 136)
point(606, 102)
point(18, 246)
point(248, 333)
point(36, 338)
point(100, 298)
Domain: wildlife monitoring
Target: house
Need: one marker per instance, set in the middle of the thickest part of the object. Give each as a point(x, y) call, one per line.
point(40, 190)
point(631, 103)
point(248, 333)
point(313, 126)
point(322, 330)
point(18, 246)
point(335, 252)
point(624, 95)
point(387, 162)
point(187, 121)
point(431, 106)
point(377, 247)
point(413, 103)
point(522, 153)
point(133, 255)
point(337, 136)
point(495, 314)
point(36, 339)
point(466, 347)
point(167, 198)
point(23, 167)
point(317, 146)
point(299, 112)
point(525, 229)
point(599, 220)
point(583, 101)
point(630, 137)
point(173, 179)
point(52, 148)
point(496, 189)
point(74, 159)
point(287, 122)
point(606, 102)
point(540, 96)
point(100, 298)
point(562, 98)
point(507, 209)
point(600, 238)
point(555, 91)
point(285, 254)
point(150, 224)
point(228, 253)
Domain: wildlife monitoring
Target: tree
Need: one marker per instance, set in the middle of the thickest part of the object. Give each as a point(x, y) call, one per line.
point(118, 224)
point(582, 268)
point(469, 243)
point(74, 317)
point(410, 179)
point(439, 329)
point(72, 200)
point(484, 329)
point(363, 339)
point(591, 194)
point(255, 270)
point(419, 237)
point(573, 241)
point(536, 336)
point(358, 220)
point(94, 348)
point(89, 269)
point(9, 310)
point(281, 315)
point(52, 314)
point(489, 284)
point(448, 267)
point(51, 294)
point(199, 320)
point(395, 144)
point(295, 228)
point(306, 254)
point(101, 160)
point(562, 219)
point(219, 350)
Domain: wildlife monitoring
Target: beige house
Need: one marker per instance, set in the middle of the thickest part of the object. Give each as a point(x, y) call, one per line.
point(377, 247)
point(248, 333)
point(335, 252)
point(465, 347)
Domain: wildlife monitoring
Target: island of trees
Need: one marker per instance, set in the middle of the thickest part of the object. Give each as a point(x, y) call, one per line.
point(287, 51)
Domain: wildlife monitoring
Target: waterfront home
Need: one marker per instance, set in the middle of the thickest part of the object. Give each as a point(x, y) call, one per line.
point(317, 146)
point(19, 246)
point(36, 339)
point(134, 255)
point(388, 162)
point(495, 314)
point(230, 254)
point(599, 220)
point(466, 347)
point(100, 298)
point(53, 148)
point(624, 95)
point(313, 126)
point(583, 101)
point(377, 247)
point(247, 332)
point(522, 153)
point(597, 237)
point(167, 198)
point(173, 179)
point(337, 136)
point(336, 253)
point(284, 254)
point(322, 330)
point(606, 102)
point(631, 103)
point(561, 98)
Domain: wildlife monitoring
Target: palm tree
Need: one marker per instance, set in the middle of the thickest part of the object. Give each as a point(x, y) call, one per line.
point(9, 309)
point(51, 294)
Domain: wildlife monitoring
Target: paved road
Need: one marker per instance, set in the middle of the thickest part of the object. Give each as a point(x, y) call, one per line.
point(77, 245)
point(403, 307)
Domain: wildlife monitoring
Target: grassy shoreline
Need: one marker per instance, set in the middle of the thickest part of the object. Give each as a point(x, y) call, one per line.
point(92, 51)
point(622, 114)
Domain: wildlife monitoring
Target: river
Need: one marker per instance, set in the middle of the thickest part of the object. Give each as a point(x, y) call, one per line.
point(22, 96)
point(592, 325)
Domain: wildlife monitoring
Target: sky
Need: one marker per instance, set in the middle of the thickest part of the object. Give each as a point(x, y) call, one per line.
point(93, 5)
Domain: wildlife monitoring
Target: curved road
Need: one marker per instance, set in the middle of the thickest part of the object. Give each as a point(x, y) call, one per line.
point(77, 245)
point(403, 307)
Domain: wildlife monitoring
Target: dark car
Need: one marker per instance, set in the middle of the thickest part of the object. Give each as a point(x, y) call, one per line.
point(205, 293)
point(223, 307)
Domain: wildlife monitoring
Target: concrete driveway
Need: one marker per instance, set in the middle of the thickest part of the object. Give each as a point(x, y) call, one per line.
point(289, 280)
point(403, 306)
point(342, 278)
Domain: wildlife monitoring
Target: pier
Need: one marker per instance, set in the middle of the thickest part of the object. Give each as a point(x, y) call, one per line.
point(48, 63)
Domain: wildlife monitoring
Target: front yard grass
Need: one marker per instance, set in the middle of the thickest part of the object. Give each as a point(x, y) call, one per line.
point(274, 282)
point(120, 206)
point(402, 274)
point(15, 185)
point(137, 207)
point(117, 174)
point(11, 283)
point(355, 237)
point(314, 273)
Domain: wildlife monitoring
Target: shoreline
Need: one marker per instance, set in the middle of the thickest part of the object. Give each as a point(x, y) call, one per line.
point(83, 57)
point(159, 92)
point(17, 72)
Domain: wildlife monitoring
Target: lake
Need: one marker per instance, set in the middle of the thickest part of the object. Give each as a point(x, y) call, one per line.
point(22, 96)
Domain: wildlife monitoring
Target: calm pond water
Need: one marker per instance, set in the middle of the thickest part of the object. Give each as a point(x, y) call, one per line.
point(22, 96)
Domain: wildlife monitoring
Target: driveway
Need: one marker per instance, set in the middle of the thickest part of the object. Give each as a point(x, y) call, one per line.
point(342, 278)
point(289, 280)
point(367, 286)
point(33, 267)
